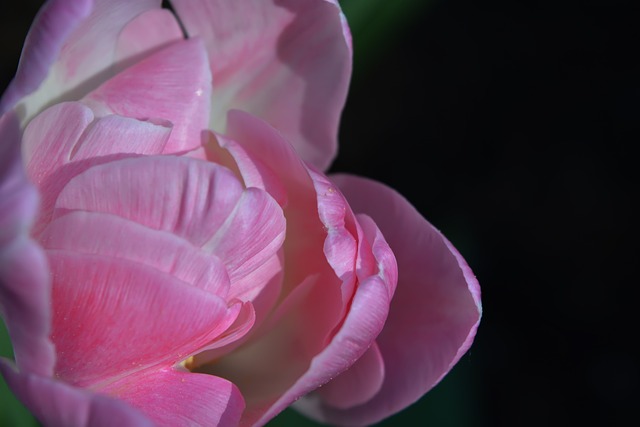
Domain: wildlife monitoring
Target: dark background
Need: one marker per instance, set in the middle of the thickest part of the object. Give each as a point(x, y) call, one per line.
point(509, 125)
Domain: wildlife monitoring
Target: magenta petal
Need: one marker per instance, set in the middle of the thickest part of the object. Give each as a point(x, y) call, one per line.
point(24, 273)
point(288, 62)
point(172, 84)
point(174, 398)
point(59, 405)
point(115, 317)
point(434, 313)
point(52, 26)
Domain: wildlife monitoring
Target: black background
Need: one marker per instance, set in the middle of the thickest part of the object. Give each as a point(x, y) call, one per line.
point(509, 124)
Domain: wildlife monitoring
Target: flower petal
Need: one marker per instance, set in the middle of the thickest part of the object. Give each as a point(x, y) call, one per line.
point(172, 84)
point(358, 384)
point(86, 59)
point(363, 323)
point(56, 142)
point(50, 29)
point(202, 203)
point(115, 134)
point(174, 398)
point(286, 61)
point(146, 33)
point(61, 405)
point(434, 313)
point(24, 273)
point(112, 236)
point(114, 317)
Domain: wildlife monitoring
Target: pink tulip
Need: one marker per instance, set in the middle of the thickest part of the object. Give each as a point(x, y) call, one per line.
point(171, 252)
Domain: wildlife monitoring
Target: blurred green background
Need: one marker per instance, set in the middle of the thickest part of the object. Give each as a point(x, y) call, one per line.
point(510, 125)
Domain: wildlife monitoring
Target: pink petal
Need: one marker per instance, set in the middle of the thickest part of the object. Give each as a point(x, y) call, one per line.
point(114, 134)
point(114, 317)
point(88, 55)
point(172, 84)
point(363, 323)
point(52, 26)
point(259, 140)
point(288, 62)
point(174, 398)
point(112, 236)
point(146, 33)
point(253, 171)
point(202, 202)
point(51, 137)
point(57, 140)
point(24, 273)
point(59, 405)
point(251, 235)
point(434, 314)
point(359, 384)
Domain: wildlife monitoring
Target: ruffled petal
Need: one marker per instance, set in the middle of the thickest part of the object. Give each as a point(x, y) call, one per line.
point(288, 62)
point(175, 398)
point(64, 140)
point(59, 405)
point(24, 273)
point(434, 313)
point(202, 203)
point(172, 84)
point(114, 317)
point(83, 48)
point(51, 28)
point(112, 236)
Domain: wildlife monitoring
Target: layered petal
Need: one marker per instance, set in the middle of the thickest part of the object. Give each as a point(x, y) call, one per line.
point(288, 62)
point(112, 236)
point(74, 51)
point(330, 262)
point(434, 314)
point(59, 405)
point(66, 139)
point(52, 26)
point(172, 84)
point(104, 304)
point(200, 202)
point(24, 273)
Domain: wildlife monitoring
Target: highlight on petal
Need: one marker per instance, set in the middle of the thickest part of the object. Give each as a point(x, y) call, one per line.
point(172, 84)
point(24, 273)
point(60, 405)
point(285, 61)
point(434, 313)
point(51, 28)
point(175, 398)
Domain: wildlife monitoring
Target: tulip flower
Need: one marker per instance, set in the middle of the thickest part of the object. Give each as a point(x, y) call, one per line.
point(172, 252)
